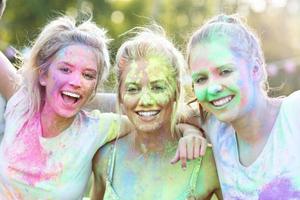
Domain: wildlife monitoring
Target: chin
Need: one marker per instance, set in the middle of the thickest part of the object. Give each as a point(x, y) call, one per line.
point(67, 114)
point(148, 127)
point(225, 117)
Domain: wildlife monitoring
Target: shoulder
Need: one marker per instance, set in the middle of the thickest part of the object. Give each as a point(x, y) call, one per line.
point(101, 159)
point(292, 98)
point(17, 106)
point(103, 156)
point(290, 106)
point(208, 161)
point(207, 177)
point(101, 121)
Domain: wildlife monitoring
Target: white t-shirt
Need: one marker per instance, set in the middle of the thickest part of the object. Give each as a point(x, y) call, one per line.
point(275, 174)
point(33, 167)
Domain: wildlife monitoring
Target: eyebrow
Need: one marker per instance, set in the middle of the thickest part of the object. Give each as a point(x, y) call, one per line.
point(158, 81)
point(231, 65)
point(131, 83)
point(199, 73)
point(71, 65)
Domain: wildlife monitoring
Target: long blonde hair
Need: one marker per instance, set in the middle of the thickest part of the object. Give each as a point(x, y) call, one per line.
point(58, 34)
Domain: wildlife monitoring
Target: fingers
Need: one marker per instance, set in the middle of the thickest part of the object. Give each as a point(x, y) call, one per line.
point(182, 153)
point(197, 148)
point(189, 148)
point(203, 146)
point(175, 159)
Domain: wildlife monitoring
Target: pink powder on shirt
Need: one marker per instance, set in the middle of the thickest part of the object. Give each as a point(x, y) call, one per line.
point(26, 156)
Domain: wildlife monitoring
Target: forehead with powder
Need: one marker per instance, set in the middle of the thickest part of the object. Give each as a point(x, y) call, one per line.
point(217, 50)
point(156, 68)
point(212, 51)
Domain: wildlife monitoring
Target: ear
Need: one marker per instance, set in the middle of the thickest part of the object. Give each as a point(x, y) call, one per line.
point(256, 71)
point(42, 78)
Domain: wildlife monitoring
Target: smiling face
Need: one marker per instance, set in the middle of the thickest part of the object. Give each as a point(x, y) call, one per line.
point(148, 93)
point(70, 80)
point(222, 80)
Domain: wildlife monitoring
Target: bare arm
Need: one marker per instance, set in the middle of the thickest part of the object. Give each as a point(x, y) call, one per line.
point(100, 165)
point(122, 127)
point(9, 79)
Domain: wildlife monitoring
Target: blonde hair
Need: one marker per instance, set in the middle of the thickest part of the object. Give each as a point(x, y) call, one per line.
point(152, 41)
point(58, 34)
point(243, 41)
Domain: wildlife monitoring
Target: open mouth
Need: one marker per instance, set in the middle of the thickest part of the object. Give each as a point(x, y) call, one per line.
point(148, 113)
point(222, 101)
point(70, 97)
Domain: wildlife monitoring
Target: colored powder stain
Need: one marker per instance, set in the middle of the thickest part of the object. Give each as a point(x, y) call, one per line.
point(134, 73)
point(159, 69)
point(216, 49)
point(201, 94)
point(279, 189)
point(131, 180)
point(26, 156)
point(159, 73)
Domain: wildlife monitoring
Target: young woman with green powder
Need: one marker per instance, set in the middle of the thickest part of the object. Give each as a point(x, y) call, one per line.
point(255, 138)
point(137, 166)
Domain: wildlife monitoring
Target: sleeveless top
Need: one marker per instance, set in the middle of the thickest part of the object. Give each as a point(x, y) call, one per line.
point(111, 194)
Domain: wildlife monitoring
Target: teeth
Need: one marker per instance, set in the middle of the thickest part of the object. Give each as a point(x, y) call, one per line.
point(147, 113)
point(222, 101)
point(71, 94)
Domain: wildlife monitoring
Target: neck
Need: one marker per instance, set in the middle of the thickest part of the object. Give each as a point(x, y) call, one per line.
point(256, 126)
point(158, 141)
point(53, 124)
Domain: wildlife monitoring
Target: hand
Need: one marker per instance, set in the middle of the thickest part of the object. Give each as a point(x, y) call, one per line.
point(190, 147)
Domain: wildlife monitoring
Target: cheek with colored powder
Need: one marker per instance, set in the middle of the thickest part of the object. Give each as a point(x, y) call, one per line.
point(246, 95)
point(201, 94)
point(162, 98)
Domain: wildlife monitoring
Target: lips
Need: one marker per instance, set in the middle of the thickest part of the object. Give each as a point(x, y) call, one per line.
point(147, 115)
point(70, 97)
point(222, 101)
point(150, 113)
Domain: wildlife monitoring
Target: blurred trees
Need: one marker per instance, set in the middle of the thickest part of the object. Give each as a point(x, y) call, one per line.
point(276, 22)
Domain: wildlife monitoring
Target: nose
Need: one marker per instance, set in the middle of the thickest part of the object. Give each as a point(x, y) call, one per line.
point(214, 89)
point(146, 99)
point(75, 80)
